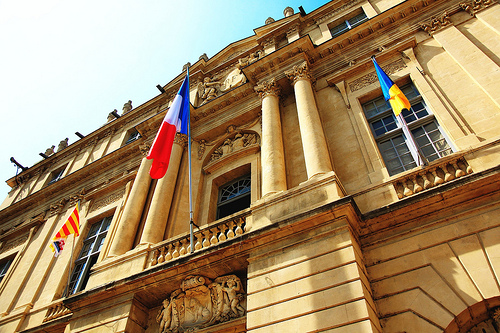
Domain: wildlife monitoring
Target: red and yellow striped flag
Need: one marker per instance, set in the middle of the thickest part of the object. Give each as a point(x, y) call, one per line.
point(71, 226)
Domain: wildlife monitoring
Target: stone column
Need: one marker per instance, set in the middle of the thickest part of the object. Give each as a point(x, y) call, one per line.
point(317, 157)
point(123, 239)
point(157, 218)
point(272, 152)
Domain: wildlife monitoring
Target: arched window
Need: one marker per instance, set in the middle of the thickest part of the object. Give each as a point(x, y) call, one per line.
point(234, 196)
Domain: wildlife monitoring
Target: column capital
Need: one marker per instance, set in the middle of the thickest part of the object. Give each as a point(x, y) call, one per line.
point(181, 139)
point(269, 87)
point(299, 72)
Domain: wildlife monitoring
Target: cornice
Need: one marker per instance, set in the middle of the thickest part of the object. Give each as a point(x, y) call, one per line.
point(109, 129)
point(85, 177)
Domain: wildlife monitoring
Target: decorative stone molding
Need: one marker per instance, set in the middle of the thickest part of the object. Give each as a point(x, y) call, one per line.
point(144, 148)
point(342, 8)
point(77, 197)
point(436, 23)
point(202, 145)
point(269, 87)
point(57, 208)
point(271, 41)
point(475, 6)
point(4, 247)
point(113, 197)
point(430, 177)
point(292, 30)
point(299, 72)
point(230, 145)
point(370, 78)
point(56, 311)
point(201, 302)
point(207, 236)
point(250, 59)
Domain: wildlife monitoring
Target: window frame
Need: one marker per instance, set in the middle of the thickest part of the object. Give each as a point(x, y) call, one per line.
point(418, 122)
point(56, 175)
point(247, 192)
point(132, 135)
point(5, 265)
point(347, 23)
point(89, 254)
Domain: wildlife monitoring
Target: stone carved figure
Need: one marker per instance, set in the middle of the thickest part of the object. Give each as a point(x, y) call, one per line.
point(127, 107)
point(207, 90)
point(201, 303)
point(239, 141)
point(250, 59)
point(49, 151)
point(63, 144)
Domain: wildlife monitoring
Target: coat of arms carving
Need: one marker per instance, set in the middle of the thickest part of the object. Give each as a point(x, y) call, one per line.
point(201, 302)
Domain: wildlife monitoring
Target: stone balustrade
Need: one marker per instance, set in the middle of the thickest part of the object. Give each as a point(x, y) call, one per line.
point(205, 237)
point(438, 172)
point(56, 311)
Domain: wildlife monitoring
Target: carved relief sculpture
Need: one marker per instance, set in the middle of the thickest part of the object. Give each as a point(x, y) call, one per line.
point(200, 303)
point(207, 90)
point(240, 141)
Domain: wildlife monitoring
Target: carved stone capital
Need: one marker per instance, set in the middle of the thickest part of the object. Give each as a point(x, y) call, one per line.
point(181, 139)
point(299, 72)
point(267, 88)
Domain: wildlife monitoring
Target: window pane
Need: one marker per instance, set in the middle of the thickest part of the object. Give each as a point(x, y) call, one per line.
point(89, 254)
point(431, 141)
point(398, 158)
point(339, 29)
point(358, 19)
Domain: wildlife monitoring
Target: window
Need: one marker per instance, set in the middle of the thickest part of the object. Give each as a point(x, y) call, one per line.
point(88, 255)
point(233, 197)
point(56, 175)
point(4, 267)
point(348, 24)
point(132, 136)
point(393, 143)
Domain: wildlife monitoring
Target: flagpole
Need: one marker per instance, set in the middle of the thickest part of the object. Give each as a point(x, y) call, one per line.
point(190, 176)
point(421, 158)
point(71, 255)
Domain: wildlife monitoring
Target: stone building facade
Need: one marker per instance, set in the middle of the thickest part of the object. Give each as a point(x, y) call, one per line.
point(312, 211)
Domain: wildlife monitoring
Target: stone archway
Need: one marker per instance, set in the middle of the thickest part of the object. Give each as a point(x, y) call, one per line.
point(482, 317)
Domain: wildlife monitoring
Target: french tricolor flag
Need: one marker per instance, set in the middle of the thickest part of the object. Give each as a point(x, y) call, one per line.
point(176, 120)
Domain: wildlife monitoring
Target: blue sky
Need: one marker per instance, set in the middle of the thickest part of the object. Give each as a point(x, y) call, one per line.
point(65, 64)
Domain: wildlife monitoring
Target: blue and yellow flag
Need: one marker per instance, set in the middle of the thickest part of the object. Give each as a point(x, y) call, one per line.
point(392, 93)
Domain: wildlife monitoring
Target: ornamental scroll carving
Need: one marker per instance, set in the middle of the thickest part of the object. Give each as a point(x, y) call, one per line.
point(436, 23)
point(299, 72)
point(239, 141)
point(476, 5)
point(201, 302)
point(269, 87)
point(372, 77)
